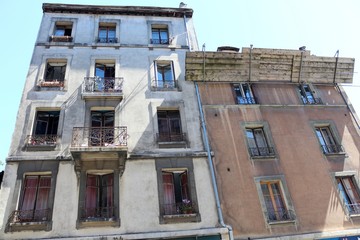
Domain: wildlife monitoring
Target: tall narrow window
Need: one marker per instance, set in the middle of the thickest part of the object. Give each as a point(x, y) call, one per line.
point(169, 124)
point(327, 140)
point(274, 202)
point(164, 75)
point(244, 94)
point(176, 193)
point(62, 32)
point(35, 201)
point(350, 194)
point(99, 197)
point(104, 76)
point(159, 34)
point(258, 144)
point(102, 128)
point(307, 95)
point(107, 33)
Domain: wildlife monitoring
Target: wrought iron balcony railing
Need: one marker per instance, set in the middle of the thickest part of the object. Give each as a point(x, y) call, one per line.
point(171, 137)
point(159, 41)
point(98, 84)
point(106, 40)
point(41, 140)
point(22, 216)
point(179, 208)
point(246, 100)
point(99, 137)
point(334, 148)
point(280, 215)
point(165, 85)
point(314, 101)
point(51, 83)
point(54, 38)
point(262, 151)
point(99, 213)
point(354, 209)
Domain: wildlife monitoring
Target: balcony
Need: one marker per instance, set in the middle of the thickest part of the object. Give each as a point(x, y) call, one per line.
point(179, 212)
point(332, 149)
point(54, 38)
point(171, 140)
point(29, 220)
point(50, 83)
point(312, 101)
point(106, 40)
point(283, 215)
point(41, 142)
point(262, 152)
point(102, 88)
point(165, 85)
point(245, 100)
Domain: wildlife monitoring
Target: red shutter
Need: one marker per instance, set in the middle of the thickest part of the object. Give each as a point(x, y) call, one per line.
point(169, 196)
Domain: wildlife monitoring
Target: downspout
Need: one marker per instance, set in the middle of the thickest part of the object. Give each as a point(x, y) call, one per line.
point(208, 150)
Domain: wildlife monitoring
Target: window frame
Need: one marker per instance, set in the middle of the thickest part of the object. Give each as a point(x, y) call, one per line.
point(173, 164)
point(166, 84)
point(354, 209)
point(170, 117)
point(108, 26)
point(289, 215)
point(68, 26)
point(239, 92)
point(308, 97)
point(158, 29)
point(333, 149)
point(270, 149)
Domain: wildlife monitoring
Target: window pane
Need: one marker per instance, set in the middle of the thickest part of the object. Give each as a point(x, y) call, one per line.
point(260, 138)
point(30, 189)
point(184, 186)
point(91, 200)
point(59, 31)
point(251, 138)
point(169, 193)
point(111, 33)
point(43, 193)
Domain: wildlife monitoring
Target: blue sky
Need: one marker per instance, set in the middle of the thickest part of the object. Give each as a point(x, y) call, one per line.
point(323, 26)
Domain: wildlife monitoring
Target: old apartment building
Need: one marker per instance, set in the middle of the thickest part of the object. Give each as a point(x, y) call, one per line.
point(285, 141)
point(108, 140)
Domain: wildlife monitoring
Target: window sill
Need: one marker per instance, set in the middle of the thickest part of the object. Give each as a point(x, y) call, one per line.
point(29, 226)
point(97, 222)
point(288, 222)
point(263, 158)
point(180, 218)
point(165, 89)
point(180, 144)
point(35, 148)
point(335, 154)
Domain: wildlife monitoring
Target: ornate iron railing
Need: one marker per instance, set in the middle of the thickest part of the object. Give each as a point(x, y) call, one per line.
point(308, 101)
point(171, 137)
point(165, 85)
point(106, 40)
point(41, 140)
point(159, 41)
point(334, 148)
point(98, 84)
point(99, 136)
point(99, 213)
point(21, 216)
point(246, 100)
point(280, 215)
point(179, 208)
point(261, 151)
point(353, 208)
point(60, 38)
point(51, 83)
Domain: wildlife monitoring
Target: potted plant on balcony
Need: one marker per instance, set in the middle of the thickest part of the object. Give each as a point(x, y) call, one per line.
point(186, 207)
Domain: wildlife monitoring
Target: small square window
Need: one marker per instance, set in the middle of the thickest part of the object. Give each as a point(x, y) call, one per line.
point(107, 33)
point(159, 34)
point(62, 32)
point(349, 193)
point(243, 93)
point(258, 143)
point(327, 140)
point(308, 95)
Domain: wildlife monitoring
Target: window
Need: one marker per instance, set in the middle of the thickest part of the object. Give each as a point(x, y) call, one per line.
point(45, 128)
point(62, 32)
point(159, 34)
point(257, 142)
point(327, 140)
point(34, 206)
point(176, 193)
point(164, 75)
point(307, 95)
point(99, 197)
point(349, 193)
point(276, 209)
point(107, 33)
point(54, 74)
point(102, 128)
point(244, 94)
point(105, 76)
point(169, 124)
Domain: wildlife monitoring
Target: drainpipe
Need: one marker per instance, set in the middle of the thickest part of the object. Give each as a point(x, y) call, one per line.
point(211, 166)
